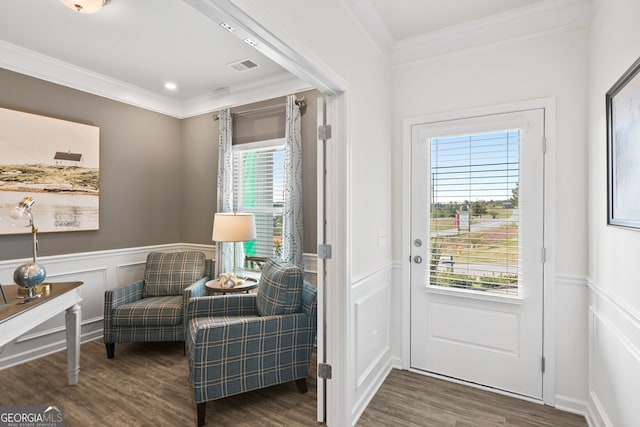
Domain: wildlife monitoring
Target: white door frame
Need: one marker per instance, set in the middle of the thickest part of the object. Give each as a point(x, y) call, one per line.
point(319, 76)
point(549, 104)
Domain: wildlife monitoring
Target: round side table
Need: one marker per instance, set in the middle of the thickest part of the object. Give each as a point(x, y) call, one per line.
point(213, 287)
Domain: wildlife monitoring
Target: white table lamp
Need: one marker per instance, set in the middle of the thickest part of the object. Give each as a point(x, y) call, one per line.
point(233, 227)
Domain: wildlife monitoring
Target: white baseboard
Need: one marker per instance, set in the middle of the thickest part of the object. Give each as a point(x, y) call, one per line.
point(569, 404)
point(370, 392)
point(596, 415)
point(45, 350)
point(396, 362)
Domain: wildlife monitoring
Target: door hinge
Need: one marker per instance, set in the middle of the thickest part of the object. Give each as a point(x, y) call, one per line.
point(544, 145)
point(324, 371)
point(542, 364)
point(324, 251)
point(324, 132)
point(544, 255)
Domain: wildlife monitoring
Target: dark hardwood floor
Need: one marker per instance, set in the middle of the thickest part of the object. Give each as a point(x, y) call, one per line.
point(410, 399)
point(148, 385)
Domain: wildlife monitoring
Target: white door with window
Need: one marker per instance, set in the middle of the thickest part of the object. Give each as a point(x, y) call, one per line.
point(477, 250)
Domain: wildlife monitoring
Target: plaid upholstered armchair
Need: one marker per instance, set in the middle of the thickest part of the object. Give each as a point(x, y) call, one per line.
point(154, 309)
point(242, 342)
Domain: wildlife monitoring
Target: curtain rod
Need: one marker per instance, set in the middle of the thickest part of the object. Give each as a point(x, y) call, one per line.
point(302, 103)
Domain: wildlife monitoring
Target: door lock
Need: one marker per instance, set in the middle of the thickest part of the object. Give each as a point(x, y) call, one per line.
point(417, 259)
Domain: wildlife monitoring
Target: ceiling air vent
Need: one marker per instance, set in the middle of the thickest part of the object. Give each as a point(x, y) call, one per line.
point(243, 65)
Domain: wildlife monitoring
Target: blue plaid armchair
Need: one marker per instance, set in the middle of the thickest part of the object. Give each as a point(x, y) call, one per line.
point(241, 342)
point(154, 309)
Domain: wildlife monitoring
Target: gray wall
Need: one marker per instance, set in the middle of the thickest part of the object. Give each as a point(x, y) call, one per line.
point(151, 165)
point(140, 169)
point(200, 174)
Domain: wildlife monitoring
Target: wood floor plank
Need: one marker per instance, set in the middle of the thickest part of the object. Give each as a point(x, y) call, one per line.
point(405, 396)
point(145, 385)
point(148, 385)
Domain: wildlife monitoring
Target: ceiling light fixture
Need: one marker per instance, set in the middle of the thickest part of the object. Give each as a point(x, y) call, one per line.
point(227, 27)
point(250, 42)
point(170, 86)
point(85, 6)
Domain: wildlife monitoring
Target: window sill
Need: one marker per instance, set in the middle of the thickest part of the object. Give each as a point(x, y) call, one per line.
point(476, 295)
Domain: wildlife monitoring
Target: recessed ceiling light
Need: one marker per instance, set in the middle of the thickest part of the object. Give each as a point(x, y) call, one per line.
point(227, 27)
point(170, 86)
point(250, 42)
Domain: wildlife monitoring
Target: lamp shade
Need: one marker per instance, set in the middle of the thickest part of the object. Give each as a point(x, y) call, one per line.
point(233, 227)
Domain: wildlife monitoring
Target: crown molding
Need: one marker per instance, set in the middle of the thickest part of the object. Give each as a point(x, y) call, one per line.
point(265, 89)
point(546, 17)
point(46, 68)
point(372, 23)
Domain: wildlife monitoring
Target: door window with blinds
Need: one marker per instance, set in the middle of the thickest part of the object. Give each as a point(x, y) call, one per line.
point(258, 188)
point(474, 220)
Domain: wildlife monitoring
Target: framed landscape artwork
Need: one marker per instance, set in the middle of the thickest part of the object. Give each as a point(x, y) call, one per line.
point(623, 149)
point(54, 161)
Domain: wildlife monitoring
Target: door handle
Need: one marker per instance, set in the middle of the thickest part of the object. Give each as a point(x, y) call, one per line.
point(417, 259)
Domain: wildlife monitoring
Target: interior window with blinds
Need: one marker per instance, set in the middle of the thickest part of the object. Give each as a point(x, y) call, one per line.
point(474, 218)
point(258, 188)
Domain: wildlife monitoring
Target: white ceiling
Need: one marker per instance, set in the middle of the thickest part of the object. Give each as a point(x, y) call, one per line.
point(129, 49)
point(137, 46)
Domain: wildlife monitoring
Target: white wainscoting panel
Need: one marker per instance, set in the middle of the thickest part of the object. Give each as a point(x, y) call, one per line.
point(614, 354)
point(92, 308)
point(310, 262)
point(570, 349)
point(100, 270)
point(129, 272)
point(372, 332)
point(371, 308)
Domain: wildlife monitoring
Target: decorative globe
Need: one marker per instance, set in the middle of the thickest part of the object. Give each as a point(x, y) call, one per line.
point(29, 275)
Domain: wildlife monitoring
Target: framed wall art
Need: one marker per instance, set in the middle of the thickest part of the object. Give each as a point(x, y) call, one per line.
point(55, 162)
point(623, 149)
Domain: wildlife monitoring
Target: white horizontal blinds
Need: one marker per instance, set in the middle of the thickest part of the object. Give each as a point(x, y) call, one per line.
point(258, 176)
point(474, 218)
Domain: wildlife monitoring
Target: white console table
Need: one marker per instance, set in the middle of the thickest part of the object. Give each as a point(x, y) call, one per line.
point(17, 318)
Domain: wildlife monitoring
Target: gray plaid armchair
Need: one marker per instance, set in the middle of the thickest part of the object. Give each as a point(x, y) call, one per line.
point(241, 342)
point(154, 309)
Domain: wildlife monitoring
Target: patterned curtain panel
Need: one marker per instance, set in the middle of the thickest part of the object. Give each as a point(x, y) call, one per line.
point(292, 221)
point(225, 184)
